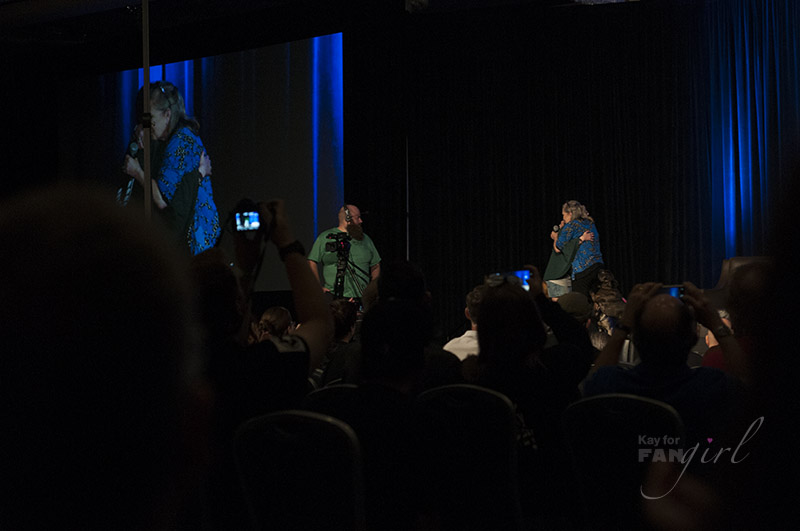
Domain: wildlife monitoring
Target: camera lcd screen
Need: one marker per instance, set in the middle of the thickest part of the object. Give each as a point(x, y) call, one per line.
point(675, 291)
point(247, 221)
point(523, 275)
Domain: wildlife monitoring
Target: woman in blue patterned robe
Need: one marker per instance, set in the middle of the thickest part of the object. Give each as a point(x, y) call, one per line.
point(182, 173)
point(588, 259)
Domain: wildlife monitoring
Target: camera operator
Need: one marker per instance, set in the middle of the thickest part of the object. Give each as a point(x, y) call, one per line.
point(349, 258)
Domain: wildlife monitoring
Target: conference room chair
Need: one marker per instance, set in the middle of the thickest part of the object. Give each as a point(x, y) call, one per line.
point(301, 471)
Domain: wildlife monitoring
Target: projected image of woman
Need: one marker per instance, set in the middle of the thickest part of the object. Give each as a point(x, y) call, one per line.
point(181, 173)
point(588, 259)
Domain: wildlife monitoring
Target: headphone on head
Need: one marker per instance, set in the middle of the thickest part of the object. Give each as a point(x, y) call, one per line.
point(347, 217)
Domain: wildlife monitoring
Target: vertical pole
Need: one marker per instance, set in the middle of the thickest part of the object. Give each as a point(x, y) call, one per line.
point(146, 118)
point(408, 208)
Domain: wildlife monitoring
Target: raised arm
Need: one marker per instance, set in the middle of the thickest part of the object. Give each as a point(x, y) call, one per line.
point(309, 301)
point(708, 316)
point(638, 296)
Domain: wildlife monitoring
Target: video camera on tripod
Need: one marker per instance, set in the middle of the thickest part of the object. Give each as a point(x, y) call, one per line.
point(341, 243)
point(341, 246)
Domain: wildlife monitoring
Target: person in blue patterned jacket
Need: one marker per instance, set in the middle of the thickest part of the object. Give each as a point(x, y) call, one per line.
point(588, 259)
point(181, 172)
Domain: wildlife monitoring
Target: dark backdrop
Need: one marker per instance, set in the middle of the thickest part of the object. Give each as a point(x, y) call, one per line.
point(675, 122)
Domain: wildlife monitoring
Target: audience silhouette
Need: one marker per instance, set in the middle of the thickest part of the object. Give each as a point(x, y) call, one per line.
point(127, 370)
point(101, 393)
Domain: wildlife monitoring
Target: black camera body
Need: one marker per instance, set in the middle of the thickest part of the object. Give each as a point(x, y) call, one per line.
point(676, 290)
point(341, 243)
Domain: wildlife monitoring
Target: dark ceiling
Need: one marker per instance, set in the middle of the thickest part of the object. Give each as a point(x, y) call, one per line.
point(107, 33)
point(67, 22)
point(104, 35)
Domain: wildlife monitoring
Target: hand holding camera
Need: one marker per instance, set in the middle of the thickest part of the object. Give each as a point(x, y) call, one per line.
point(638, 296)
point(704, 311)
point(277, 221)
point(535, 282)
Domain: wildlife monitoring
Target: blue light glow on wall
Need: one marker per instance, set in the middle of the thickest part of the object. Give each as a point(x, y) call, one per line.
point(327, 114)
point(754, 105)
point(315, 103)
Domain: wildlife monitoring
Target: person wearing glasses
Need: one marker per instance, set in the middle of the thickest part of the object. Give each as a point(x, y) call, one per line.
point(181, 171)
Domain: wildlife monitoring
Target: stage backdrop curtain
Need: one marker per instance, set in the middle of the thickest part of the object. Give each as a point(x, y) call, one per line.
point(669, 121)
point(753, 116)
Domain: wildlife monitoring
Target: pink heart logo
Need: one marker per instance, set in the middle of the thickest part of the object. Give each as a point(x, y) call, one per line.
point(709, 439)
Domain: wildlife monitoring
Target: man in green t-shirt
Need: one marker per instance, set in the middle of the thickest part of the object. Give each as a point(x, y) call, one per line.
point(349, 258)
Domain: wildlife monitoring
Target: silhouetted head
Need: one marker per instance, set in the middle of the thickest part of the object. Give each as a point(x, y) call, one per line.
point(474, 299)
point(98, 365)
point(276, 320)
point(393, 338)
point(665, 331)
point(219, 297)
point(345, 314)
point(577, 305)
point(402, 280)
point(510, 329)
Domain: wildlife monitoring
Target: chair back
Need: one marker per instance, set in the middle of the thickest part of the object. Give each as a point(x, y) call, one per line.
point(718, 295)
point(300, 471)
point(470, 457)
point(611, 441)
point(334, 396)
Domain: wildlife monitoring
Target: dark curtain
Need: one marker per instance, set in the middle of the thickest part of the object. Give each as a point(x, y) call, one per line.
point(753, 115)
point(669, 121)
point(675, 122)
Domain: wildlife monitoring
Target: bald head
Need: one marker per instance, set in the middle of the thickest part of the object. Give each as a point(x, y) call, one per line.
point(665, 331)
point(354, 214)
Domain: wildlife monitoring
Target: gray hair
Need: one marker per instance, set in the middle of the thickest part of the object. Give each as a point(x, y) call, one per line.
point(577, 210)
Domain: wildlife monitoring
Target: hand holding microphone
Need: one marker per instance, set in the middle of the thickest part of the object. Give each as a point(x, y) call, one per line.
point(133, 149)
point(556, 228)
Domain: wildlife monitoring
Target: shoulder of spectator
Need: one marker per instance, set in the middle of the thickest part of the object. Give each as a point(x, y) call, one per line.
point(547, 305)
point(598, 380)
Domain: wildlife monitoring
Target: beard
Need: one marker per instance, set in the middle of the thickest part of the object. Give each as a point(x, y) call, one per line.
point(355, 231)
